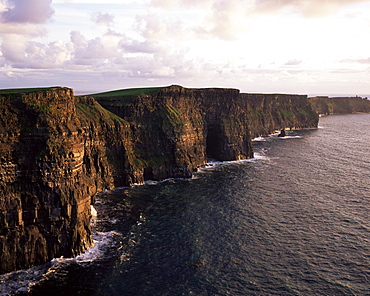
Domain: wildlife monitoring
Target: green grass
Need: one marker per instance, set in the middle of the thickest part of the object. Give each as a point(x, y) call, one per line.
point(96, 112)
point(129, 92)
point(172, 114)
point(22, 90)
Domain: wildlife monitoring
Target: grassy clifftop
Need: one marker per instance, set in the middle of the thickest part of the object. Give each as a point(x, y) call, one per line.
point(129, 92)
point(24, 90)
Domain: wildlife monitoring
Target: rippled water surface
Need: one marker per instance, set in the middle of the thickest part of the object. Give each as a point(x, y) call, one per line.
point(293, 221)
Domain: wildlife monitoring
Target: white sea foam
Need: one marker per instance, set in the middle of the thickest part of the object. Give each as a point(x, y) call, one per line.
point(260, 156)
point(259, 139)
point(102, 241)
point(211, 165)
point(255, 158)
point(19, 281)
point(290, 137)
point(152, 182)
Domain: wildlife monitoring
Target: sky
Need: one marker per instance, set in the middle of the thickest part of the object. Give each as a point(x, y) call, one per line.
point(314, 47)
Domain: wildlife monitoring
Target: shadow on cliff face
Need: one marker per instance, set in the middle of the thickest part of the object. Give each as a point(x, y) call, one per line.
point(213, 147)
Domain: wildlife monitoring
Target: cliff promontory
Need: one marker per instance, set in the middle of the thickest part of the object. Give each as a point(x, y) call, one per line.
point(270, 112)
point(339, 105)
point(58, 150)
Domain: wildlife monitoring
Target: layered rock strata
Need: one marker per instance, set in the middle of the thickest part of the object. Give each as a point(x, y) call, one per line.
point(58, 150)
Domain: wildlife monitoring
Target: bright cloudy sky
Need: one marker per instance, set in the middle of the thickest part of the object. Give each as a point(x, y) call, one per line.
point(286, 46)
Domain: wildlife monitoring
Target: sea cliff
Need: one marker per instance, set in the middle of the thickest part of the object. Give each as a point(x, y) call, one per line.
point(58, 150)
point(339, 105)
point(270, 112)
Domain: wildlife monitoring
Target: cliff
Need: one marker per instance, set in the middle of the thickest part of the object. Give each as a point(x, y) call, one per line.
point(270, 112)
point(57, 151)
point(176, 128)
point(340, 105)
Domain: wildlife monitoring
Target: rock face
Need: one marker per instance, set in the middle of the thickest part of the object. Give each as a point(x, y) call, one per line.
point(340, 105)
point(44, 208)
point(58, 150)
point(270, 112)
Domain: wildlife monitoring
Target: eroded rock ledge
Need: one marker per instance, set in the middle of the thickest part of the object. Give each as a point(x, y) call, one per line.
point(58, 150)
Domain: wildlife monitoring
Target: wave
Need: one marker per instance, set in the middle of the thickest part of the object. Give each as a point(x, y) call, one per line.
point(152, 182)
point(259, 156)
point(290, 137)
point(259, 139)
point(213, 164)
point(103, 241)
point(20, 281)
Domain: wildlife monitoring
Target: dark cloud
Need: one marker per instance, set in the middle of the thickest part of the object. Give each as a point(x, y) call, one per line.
point(27, 11)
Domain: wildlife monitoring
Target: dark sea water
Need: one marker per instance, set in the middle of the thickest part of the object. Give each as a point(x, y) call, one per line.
point(292, 221)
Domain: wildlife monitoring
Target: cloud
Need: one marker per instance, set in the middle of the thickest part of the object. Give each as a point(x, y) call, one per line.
point(20, 53)
point(20, 22)
point(12, 75)
point(225, 19)
point(104, 19)
point(309, 8)
point(46, 56)
point(364, 61)
point(175, 4)
point(30, 30)
point(134, 46)
point(359, 61)
point(152, 26)
point(24, 17)
point(293, 62)
point(90, 52)
point(13, 48)
point(27, 11)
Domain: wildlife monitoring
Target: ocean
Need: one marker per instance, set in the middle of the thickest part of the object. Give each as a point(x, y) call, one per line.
point(292, 221)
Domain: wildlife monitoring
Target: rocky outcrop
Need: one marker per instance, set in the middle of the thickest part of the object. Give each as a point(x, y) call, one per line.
point(339, 105)
point(58, 150)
